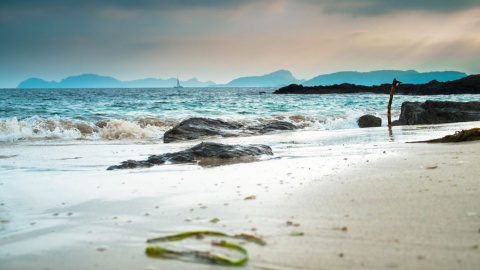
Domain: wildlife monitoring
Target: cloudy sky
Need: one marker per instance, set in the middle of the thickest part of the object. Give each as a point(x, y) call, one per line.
point(221, 40)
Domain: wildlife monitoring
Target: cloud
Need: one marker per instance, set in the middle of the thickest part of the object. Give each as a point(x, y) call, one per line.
point(53, 7)
point(378, 7)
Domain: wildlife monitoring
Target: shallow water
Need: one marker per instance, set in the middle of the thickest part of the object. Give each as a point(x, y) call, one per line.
point(145, 114)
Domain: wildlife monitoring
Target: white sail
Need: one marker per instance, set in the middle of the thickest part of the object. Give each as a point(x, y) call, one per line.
point(178, 84)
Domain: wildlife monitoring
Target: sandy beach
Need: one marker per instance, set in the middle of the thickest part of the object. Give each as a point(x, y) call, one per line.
point(342, 199)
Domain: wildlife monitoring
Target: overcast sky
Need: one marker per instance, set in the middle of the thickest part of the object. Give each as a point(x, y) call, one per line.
point(221, 40)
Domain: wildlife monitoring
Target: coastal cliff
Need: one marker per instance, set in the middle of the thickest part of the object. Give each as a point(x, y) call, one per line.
point(467, 85)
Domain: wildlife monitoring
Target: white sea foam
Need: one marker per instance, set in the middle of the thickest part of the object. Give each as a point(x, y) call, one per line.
point(12, 130)
point(122, 129)
point(57, 128)
point(145, 128)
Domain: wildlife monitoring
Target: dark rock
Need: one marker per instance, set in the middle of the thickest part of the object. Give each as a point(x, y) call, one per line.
point(438, 112)
point(466, 85)
point(272, 127)
point(196, 128)
point(211, 153)
point(369, 120)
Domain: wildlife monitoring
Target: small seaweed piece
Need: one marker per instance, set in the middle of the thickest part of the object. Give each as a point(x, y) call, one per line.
point(297, 233)
point(214, 220)
point(472, 134)
point(251, 238)
point(184, 235)
point(162, 252)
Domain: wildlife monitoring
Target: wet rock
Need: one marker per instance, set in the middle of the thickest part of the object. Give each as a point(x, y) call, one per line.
point(206, 150)
point(197, 128)
point(368, 120)
point(276, 126)
point(438, 112)
point(272, 127)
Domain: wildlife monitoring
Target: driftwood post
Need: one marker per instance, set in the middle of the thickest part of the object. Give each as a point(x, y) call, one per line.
point(392, 91)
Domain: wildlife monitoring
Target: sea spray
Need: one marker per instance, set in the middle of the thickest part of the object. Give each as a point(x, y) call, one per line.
point(122, 129)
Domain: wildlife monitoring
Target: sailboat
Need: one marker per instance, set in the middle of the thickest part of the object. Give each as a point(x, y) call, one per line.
point(178, 84)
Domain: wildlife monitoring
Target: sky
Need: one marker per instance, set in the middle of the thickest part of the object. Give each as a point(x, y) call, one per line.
point(220, 40)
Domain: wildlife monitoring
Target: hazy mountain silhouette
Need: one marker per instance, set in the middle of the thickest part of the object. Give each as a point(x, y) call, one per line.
point(97, 81)
point(276, 79)
point(384, 76)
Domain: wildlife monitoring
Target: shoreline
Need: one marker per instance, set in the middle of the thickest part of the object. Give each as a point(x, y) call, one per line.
point(404, 206)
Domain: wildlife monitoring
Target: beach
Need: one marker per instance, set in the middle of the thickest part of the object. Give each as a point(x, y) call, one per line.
point(339, 199)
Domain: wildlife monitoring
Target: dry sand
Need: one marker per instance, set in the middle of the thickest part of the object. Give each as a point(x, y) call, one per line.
point(373, 205)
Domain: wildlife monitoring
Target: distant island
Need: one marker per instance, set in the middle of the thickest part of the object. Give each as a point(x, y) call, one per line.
point(278, 78)
point(275, 79)
point(384, 76)
point(97, 81)
point(466, 85)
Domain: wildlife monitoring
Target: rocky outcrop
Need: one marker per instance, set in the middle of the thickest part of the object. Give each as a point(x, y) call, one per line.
point(438, 112)
point(196, 128)
point(211, 153)
point(368, 120)
point(467, 85)
point(272, 127)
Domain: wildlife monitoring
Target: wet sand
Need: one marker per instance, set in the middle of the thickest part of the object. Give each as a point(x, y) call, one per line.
point(361, 199)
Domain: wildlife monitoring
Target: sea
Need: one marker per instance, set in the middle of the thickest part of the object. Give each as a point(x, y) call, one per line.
point(85, 115)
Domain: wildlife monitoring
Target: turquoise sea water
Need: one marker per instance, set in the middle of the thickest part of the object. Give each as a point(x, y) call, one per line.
point(117, 114)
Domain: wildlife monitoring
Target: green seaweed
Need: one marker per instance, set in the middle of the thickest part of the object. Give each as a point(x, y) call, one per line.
point(297, 233)
point(472, 134)
point(162, 252)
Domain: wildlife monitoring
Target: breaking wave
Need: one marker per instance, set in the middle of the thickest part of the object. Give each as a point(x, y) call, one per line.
point(145, 128)
point(56, 128)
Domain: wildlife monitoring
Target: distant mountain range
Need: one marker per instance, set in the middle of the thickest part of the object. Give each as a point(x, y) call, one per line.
point(97, 81)
point(276, 79)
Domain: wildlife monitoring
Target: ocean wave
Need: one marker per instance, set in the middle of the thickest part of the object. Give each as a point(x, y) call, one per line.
point(144, 128)
point(57, 128)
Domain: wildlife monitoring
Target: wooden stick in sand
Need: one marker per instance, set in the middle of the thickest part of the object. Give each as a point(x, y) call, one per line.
point(392, 91)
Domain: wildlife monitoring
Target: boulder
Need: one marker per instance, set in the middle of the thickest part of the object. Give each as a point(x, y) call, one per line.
point(197, 128)
point(272, 127)
point(205, 151)
point(368, 120)
point(276, 126)
point(438, 112)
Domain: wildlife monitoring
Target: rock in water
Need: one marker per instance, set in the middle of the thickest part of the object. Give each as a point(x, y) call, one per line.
point(205, 150)
point(275, 126)
point(369, 120)
point(438, 112)
point(195, 128)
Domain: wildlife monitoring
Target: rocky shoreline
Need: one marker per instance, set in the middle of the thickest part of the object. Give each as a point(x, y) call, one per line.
point(214, 154)
point(467, 85)
point(206, 154)
point(438, 112)
point(199, 127)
